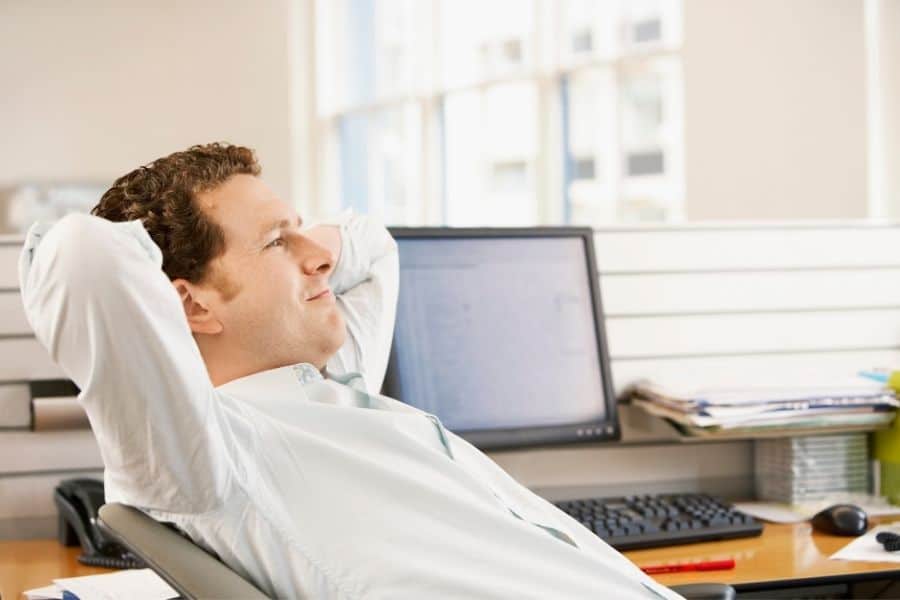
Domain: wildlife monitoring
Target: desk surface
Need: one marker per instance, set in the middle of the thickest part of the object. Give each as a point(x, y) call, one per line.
point(35, 563)
point(782, 553)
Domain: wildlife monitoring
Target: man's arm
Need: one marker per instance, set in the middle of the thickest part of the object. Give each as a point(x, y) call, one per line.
point(98, 300)
point(365, 283)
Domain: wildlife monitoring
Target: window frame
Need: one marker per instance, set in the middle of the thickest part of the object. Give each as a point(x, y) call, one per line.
point(553, 172)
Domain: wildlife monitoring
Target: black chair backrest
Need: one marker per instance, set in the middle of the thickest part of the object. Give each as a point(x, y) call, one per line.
point(193, 572)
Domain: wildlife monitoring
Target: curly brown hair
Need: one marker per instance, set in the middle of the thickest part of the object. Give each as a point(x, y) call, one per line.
point(163, 195)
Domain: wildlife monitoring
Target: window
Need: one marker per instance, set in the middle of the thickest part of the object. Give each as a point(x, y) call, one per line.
point(501, 112)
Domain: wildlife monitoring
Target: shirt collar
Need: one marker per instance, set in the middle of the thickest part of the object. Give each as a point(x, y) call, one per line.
point(302, 373)
point(250, 386)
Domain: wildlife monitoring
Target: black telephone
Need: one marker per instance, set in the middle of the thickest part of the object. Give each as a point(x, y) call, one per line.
point(78, 501)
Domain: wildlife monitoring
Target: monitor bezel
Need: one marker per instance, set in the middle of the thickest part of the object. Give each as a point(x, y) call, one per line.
point(607, 430)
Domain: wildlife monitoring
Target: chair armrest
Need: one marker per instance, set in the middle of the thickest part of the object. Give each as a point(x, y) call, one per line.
point(188, 568)
point(705, 591)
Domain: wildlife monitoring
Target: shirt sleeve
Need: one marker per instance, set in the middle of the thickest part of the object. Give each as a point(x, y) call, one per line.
point(365, 283)
point(97, 299)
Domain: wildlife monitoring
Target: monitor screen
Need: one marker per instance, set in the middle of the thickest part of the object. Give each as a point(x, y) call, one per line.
point(499, 333)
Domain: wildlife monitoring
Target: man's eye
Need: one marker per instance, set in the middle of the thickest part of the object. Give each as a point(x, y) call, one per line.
point(275, 243)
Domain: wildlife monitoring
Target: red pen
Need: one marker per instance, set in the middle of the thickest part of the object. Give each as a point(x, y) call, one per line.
point(707, 565)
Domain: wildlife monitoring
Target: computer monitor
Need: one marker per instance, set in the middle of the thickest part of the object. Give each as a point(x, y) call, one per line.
point(500, 334)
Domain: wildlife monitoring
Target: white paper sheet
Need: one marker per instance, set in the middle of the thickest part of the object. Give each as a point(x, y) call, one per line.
point(50, 592)
point(865, 548)
point(135, 584)
point(774, 512)
point(843, 388)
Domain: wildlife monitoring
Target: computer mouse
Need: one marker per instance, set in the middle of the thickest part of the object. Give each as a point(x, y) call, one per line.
point(841, 519)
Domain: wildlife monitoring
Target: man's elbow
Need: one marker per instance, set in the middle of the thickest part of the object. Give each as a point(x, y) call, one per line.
point(75, 244)
point(75, 253)
point(373, 234)
point(387, 242)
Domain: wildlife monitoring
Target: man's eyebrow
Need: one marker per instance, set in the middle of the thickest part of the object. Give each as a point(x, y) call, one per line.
point(282, 224)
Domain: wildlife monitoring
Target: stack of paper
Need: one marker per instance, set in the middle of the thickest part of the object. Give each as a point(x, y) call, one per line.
point(135, 584)
point(747, 411)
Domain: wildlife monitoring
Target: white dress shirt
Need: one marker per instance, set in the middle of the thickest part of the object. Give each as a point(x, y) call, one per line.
point(308, 487)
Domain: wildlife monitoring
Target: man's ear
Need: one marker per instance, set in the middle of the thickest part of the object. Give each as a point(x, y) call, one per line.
point(196, 308)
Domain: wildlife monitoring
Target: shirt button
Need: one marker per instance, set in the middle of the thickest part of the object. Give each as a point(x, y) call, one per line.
point(306, 373)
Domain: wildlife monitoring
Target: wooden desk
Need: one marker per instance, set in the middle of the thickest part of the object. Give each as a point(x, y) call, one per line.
point(783, 556)
point(35, 563)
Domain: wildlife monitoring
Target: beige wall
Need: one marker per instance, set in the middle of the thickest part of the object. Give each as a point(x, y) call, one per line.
point(91, 89)
point(775, 109)
point(884, 106)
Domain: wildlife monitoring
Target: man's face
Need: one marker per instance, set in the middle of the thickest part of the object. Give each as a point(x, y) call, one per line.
point(274, 301)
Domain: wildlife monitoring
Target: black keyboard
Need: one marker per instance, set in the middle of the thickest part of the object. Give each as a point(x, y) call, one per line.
point(630, 522)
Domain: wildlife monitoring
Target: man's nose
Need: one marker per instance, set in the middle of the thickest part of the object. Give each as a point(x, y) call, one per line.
point(316, 259)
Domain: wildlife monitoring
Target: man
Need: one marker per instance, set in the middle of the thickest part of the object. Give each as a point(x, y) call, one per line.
point(233, 392)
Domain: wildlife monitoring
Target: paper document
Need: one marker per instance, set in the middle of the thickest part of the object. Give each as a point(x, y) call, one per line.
point(824, 417)
point(761, 395)
point(51, 592)
point(773, 512)
point(865, 548)
point(135, 584)
point(759, 410)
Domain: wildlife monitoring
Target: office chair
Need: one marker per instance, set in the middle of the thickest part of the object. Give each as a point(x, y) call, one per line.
point(197, 575)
